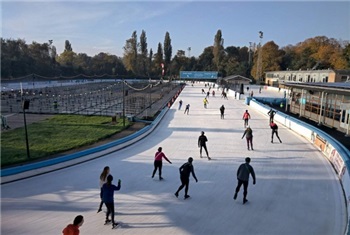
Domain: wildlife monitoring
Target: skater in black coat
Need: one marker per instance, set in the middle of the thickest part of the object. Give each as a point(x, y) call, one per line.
point(243, 173)
point(185, 171)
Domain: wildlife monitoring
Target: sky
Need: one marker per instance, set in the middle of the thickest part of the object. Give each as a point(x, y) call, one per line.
point(104, 26)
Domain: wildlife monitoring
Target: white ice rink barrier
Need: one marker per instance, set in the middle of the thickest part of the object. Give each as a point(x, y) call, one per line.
point(335, 152)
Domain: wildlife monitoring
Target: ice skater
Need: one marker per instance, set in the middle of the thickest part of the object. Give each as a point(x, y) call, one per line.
point(103, 180)
point(222, 111)
point(243, 173)
point(202, 139)
point(271, 113)
point(180, 104)
point(73, 229)
point(246, 117)
point(187, 109)
point(205, 102)
point(248, 133)
point(108, 198)
point(185, 170)
point(158, 162)
point(274, 129)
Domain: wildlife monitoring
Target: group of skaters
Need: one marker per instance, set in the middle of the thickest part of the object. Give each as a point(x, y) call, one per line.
point(248, 133)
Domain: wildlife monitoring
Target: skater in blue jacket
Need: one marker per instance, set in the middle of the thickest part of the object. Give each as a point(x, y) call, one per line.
point(108, 198)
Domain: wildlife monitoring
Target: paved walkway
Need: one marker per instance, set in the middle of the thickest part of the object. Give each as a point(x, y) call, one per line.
point(297, 191)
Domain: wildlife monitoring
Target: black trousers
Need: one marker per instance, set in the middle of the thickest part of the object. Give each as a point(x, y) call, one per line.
point(245, 187)
point(110, 210)
point(185, 182)
point(157, 165)
point(275, 132)
point(205, 148)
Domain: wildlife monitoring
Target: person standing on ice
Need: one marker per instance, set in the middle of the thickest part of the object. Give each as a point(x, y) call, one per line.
point(246, 117)
point(243, 173)
point(185, 170)
point(248, 133)
point(187, 109)
point(158, 163)
point(202, 139)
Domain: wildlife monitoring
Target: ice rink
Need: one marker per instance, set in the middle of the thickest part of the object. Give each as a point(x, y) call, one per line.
point(296, 191)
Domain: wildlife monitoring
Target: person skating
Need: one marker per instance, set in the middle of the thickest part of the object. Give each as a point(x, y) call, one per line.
point(246, 117)
point(274, 129)
point(202, 139)
point(271, 114)
point(103, 180)
point(243, 172)
point(158, 162)
point(222, 111)
point(108, 198)
point(248, 133)
point(180, 104)
point(185, 170)
point(205, 102)
point(187, 109)
point(73, 229)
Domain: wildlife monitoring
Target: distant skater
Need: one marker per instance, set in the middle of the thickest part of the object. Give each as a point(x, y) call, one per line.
point(208, 94)
point(73, 229)
point(108, 198)
point(222, 111)
point(248, 133)
point(246, 117)
point(202, 139)
point(243, 173)
point(158, 162)
point(271, 113)
point(213, 93)
point(205, 102)
point(185, 170)
point(103, 180)
point(180, 104)
point(274, 129)
point(187, 109)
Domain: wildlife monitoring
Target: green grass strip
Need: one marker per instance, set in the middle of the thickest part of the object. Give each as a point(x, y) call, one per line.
point(55, 135)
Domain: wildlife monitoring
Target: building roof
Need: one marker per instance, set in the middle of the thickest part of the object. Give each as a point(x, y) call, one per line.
point(334, 87)
point(338, 71)
point(236, 78)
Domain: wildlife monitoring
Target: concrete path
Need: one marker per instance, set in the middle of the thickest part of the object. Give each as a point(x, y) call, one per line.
point(296, 192)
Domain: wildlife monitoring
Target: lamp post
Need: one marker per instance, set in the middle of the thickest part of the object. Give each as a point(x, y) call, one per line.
point(123, 103)
point(26, 106)
point(259, 64)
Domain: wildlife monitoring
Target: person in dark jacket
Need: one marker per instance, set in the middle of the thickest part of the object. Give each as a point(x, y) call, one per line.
point(185, 170)
point(243, 173)
point(248, 133)
point(108, 198)
point(222, 111)
point(274, 129)
point(73, 229)
point(202, 139)
point(271, 113)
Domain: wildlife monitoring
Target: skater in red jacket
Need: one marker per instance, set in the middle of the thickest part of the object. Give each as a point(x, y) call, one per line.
point(246, 117)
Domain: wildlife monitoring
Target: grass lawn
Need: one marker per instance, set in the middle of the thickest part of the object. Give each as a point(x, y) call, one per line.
point(55, 135)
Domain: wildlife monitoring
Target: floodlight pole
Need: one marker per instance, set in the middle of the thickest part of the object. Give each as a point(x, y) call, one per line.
point(26, 132)
point(123, 103)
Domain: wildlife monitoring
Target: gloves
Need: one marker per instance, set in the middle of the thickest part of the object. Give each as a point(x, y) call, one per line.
point(119, 181)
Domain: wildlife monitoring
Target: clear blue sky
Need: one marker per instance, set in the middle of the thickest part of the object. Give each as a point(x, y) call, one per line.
point(104, 26)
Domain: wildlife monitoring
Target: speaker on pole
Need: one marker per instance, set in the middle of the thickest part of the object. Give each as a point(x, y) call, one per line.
point(26, 104)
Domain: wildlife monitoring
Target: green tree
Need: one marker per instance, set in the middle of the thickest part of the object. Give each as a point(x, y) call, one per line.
point(158, 60)
point(130, 54)
point(218, 50)
point(143, 53)
point(168, 50)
